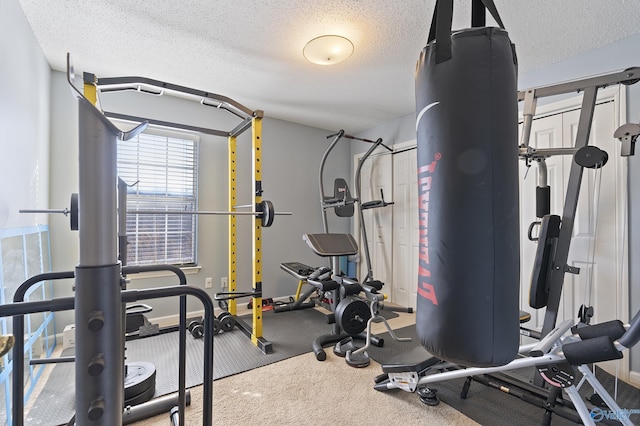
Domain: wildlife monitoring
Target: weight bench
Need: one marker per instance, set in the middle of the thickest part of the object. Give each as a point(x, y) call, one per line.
point(405, 369)
point(137, 323)
point(558, 357)
point(351, 314)
point(301, 272)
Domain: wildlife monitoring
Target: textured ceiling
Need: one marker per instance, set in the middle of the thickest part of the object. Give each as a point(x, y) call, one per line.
point(251, 50)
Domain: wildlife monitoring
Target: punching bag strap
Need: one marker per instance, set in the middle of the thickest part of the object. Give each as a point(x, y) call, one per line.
point(440, 29)
point(478, 15)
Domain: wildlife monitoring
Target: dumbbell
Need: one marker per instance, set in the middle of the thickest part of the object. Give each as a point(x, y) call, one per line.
point(196, 329)
point(226, 321)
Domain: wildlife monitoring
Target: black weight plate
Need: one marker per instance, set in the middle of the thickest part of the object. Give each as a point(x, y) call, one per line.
point(268, 213)
point(630, 82)
point(217, 326)
point(223, 315)
point(192, 325)
point(197, 331)
point(228, 323)
point(140, 377)
point(141, 398)
point(73, 212)
point(591, 157)
point(352, 315)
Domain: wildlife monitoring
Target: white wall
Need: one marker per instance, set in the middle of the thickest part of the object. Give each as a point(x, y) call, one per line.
point(24, 120)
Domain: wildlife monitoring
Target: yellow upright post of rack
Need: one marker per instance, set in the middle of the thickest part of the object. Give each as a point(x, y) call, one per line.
point(256, 134)
point(232, 202)
point(90, 90)
point(254, 332)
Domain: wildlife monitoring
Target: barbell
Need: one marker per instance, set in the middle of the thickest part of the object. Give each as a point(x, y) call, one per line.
point(72, 212)
point(264, 210)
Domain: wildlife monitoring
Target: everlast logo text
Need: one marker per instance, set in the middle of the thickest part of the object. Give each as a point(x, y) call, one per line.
point(425, 286)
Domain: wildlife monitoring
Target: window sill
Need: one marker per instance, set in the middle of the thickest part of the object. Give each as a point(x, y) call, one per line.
point(188, 270)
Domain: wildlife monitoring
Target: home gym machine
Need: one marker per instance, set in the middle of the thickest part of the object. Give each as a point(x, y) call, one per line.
point(343, 205)
point(350, 314)
point(557, 356)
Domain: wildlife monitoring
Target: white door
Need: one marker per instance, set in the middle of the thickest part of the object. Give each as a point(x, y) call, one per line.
point(405, 227)
point(598, 243)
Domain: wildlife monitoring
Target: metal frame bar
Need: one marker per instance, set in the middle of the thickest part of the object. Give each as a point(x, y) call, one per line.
point(628, 76)
point(323, 197)
point(165, 123)
point(19, 309)
point(253, 331)
point(98, 307)
point(141, 83)
point(232, 161)
point(18, 348)
point(559, 263)
point(363, 226)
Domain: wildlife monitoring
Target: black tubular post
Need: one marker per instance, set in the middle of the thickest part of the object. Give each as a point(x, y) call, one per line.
point(18, 328)
point(155, 268)
point(156, 406)
point(24, 308)
point(67, 303)
point(135, 295)
point(18, 310)
point(182, 327)
point(42, 361)
point(18, 347)
point(568, 215)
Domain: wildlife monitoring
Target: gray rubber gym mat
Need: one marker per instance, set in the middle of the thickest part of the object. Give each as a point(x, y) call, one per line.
point(291, 334)
point(489, 406)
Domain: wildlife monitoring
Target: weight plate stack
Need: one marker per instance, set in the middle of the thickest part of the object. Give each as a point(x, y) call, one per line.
point(139, 383)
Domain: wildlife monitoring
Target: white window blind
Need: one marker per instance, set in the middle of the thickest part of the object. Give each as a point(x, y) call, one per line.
point(164, 165)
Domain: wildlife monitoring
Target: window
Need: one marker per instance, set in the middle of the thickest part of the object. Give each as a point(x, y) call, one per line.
point(160, 168)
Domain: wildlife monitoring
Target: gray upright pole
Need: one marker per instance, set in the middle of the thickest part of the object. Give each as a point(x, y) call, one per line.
point(98, 309)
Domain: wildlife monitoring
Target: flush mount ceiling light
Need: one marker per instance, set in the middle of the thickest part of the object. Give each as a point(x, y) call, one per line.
point(328, 50)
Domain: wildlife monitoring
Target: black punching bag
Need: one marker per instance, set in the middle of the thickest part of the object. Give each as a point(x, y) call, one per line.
point(467, 137)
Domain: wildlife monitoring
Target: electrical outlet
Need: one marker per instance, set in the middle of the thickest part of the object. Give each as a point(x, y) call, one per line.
point(223, 282)
point(208, 282)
